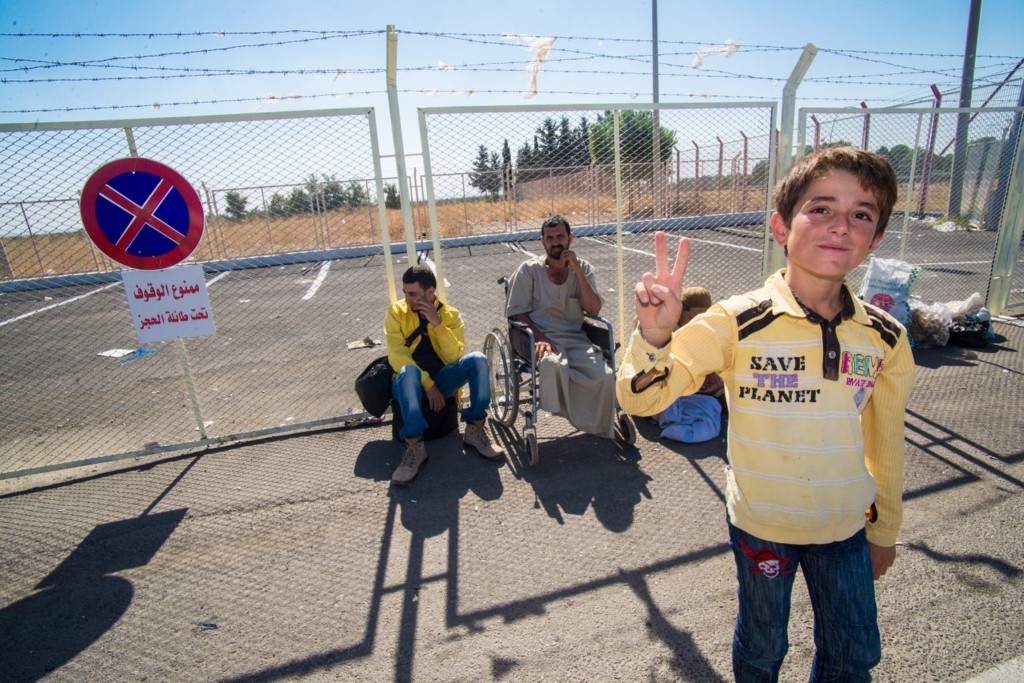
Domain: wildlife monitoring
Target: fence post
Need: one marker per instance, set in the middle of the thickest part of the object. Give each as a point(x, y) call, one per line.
point(775, 259)
point(32, 238)
point(382, 209)
point(721, 157)
point(1011, 228)
point(866, 134)
point(746, 158)
point(995, 209)
point(956, 181)
point(696, 176)
point(435, 229)
point(910, 187)
point(396, 134)
point(5, 262)
point(933, 130)
point(266, 219)
point(618, 226)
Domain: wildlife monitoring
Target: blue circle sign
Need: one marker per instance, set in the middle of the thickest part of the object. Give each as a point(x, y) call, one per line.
point(142, 214)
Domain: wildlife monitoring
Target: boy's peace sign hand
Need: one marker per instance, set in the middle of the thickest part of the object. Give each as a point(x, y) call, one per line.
point(657, 294)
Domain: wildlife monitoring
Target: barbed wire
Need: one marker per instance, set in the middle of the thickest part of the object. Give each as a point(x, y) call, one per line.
point(560, 56)
point(456, 35)
point(275, 99)
point(203, 51)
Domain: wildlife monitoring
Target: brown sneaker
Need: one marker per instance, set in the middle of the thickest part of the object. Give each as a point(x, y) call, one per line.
point(415, 455)
point(476, 436)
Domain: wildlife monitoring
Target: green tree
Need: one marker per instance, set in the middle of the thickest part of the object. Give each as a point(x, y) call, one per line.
point(354, 194)
point(297, 202)
point(278, 205)
point(392, 199)
point(235, 202)
point(329, 190)
point(486, 175)
point(637, 141)
point(506, 168)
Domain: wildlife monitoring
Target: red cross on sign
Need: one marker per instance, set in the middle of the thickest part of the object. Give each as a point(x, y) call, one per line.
point(142, 213)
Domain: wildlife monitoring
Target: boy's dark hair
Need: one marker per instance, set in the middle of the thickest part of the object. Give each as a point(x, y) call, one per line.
point(420, 274)
point(553, 222)
point(692, 297)
point(874, 172)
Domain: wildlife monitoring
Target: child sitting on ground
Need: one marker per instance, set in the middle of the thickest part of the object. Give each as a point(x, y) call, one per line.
point(697, 417)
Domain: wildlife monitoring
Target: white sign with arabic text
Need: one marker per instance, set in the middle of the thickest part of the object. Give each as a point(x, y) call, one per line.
point(171, 303)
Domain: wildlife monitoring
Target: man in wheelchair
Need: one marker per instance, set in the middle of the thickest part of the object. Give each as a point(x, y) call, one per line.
point(427, 349)
point(551, 294)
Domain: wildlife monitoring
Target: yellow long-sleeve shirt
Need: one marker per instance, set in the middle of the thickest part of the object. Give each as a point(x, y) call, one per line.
point(816, 426)
point(447, 338)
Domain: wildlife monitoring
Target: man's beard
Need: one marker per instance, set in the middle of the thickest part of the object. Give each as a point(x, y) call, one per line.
point(555, 253)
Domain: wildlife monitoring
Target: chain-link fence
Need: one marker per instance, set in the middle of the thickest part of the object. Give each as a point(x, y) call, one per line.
point(495, 174)
point(296, 207)
point(953, 195)
point(288, 199)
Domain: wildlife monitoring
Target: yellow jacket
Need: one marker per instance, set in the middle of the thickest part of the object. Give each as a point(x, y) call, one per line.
point(447, 338)
point(816, 417)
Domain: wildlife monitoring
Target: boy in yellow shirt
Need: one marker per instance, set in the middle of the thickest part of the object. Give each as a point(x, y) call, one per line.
point(817, 383)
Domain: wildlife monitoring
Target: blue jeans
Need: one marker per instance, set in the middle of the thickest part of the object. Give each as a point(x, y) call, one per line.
point(407, 388)
point(842, 590)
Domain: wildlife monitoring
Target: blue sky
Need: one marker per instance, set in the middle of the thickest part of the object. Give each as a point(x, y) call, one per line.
point(880, 30)
point(883, 52)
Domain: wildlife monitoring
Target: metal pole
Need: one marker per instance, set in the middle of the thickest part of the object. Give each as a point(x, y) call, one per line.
point(788, 115)
point(921, 204)
point(655, 124)
point(866, 134)
point(963, 119)
point(618, 228)
point(1010, 228)
point(995, 210)
point(785, 151)
point(910, 187)
point(817, 131)
point(190, 386)
point(435, 228)
point(745, 160)
point(721, 156)
point(696, 176)
point(679, 178)
point(382, 209)
point(396, 134)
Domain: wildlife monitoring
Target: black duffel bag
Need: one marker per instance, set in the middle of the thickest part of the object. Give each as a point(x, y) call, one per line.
point(373, 386)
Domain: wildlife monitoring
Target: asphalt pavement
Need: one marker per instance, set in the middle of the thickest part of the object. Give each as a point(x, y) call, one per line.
point(295, 558)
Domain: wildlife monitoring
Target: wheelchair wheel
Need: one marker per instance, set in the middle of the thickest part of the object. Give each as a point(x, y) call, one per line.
point(531, 445)
point(503, 377)
point(627, 430)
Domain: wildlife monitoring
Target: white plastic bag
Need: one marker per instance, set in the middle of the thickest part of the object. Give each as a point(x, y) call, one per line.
point(887, 285)
point(930, 324)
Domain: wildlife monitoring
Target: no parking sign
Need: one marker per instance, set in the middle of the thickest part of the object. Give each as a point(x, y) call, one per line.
point(142, 214)
point(146, 216)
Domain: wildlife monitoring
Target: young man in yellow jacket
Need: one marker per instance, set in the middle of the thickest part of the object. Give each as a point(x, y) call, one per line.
point(817, 385)
point(427, 351)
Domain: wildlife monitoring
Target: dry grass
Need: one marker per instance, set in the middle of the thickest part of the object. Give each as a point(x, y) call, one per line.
point(68, 253)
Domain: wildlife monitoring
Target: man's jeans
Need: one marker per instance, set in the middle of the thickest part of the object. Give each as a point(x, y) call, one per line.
point(838, 578)
point(407, 389)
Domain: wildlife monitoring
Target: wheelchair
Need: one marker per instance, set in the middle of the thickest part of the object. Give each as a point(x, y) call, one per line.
point(514, 383)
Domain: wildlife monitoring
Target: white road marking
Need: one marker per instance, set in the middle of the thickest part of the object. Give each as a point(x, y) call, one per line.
point(60, 303)
point(311, 292)
point(76, 298)
point(651, 253)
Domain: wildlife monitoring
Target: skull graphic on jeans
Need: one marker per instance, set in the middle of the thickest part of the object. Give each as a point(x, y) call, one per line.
point(765, 561)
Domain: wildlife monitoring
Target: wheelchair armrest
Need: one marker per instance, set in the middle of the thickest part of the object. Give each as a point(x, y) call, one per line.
point(522, 339)
point(600, 333)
